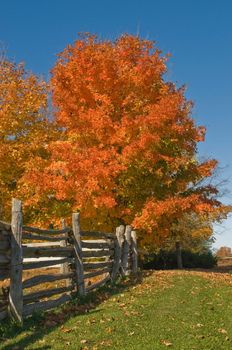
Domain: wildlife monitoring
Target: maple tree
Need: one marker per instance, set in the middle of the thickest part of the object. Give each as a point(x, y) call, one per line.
point(23, 127)
point(127, 149)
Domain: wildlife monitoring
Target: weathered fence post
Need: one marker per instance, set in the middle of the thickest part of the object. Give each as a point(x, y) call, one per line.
point(16, 290)
point(134, 253)
point(64, 268)
point(117, 251)
point(126, 251)
point(78, 253)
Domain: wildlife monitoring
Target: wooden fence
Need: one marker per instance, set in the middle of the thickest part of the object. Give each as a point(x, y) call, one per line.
point(74, 261)
point(5, 243)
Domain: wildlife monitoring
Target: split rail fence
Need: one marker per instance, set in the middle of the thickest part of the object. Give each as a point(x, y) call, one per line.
point(74, 261)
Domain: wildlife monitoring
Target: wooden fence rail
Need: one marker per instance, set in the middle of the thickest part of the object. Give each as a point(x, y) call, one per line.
point(76, 261)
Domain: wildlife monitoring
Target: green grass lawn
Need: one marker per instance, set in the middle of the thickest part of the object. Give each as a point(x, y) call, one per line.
point(176, 310)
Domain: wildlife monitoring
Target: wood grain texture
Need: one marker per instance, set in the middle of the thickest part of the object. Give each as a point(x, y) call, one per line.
point(97, 253)
point(78, 253)
point(117, 251)
point(97, 273)
point(34, 281)
point(4, 259)
point(45, 263)
point(65, 267)
point(126, 251)
point(16, 291)
point(43, 231)
point(97, 234)
point(45, 305)
point(4, 246)
point(98, 284)
point(97, 245)
point(37, 252)
point(36, 296)
point(36, 237)
point(97, 265)
point(134, 253)
point(4, 273)
point(5, 253)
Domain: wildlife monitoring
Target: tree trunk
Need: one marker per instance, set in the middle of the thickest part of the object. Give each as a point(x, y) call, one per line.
point(179, 255)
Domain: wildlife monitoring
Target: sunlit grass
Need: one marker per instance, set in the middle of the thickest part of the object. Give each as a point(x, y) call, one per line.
point(177, 310)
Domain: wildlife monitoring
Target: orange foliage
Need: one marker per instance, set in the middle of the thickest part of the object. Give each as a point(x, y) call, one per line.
point(23, 127)
point(128, 144)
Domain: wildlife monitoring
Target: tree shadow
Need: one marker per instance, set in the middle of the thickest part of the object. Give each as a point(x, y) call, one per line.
point(41, 324)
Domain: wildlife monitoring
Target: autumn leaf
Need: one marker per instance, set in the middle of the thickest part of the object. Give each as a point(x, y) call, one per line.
point(166, 343)
point(222, 330)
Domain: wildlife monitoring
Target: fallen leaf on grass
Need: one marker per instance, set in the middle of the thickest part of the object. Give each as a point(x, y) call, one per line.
point(66, 330)
point(109, 330)
point(127, 313)
point(106, 342)
point(166, 342)
point(221, 330)
point(122, 305)
point(91, 321)
point(135, 313)
point(199, 325)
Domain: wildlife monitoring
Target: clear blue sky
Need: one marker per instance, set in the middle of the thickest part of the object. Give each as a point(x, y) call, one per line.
point(197, 33)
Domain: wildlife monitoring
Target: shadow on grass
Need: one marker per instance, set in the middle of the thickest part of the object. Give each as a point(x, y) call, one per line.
point(41, 324)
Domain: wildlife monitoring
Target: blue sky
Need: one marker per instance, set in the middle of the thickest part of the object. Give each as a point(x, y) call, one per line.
point(198, 34)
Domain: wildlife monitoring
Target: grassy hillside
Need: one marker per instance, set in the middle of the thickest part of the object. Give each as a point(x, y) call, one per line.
point(169, 309)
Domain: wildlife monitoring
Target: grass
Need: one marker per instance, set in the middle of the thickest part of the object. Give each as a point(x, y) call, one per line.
point(168, 309)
